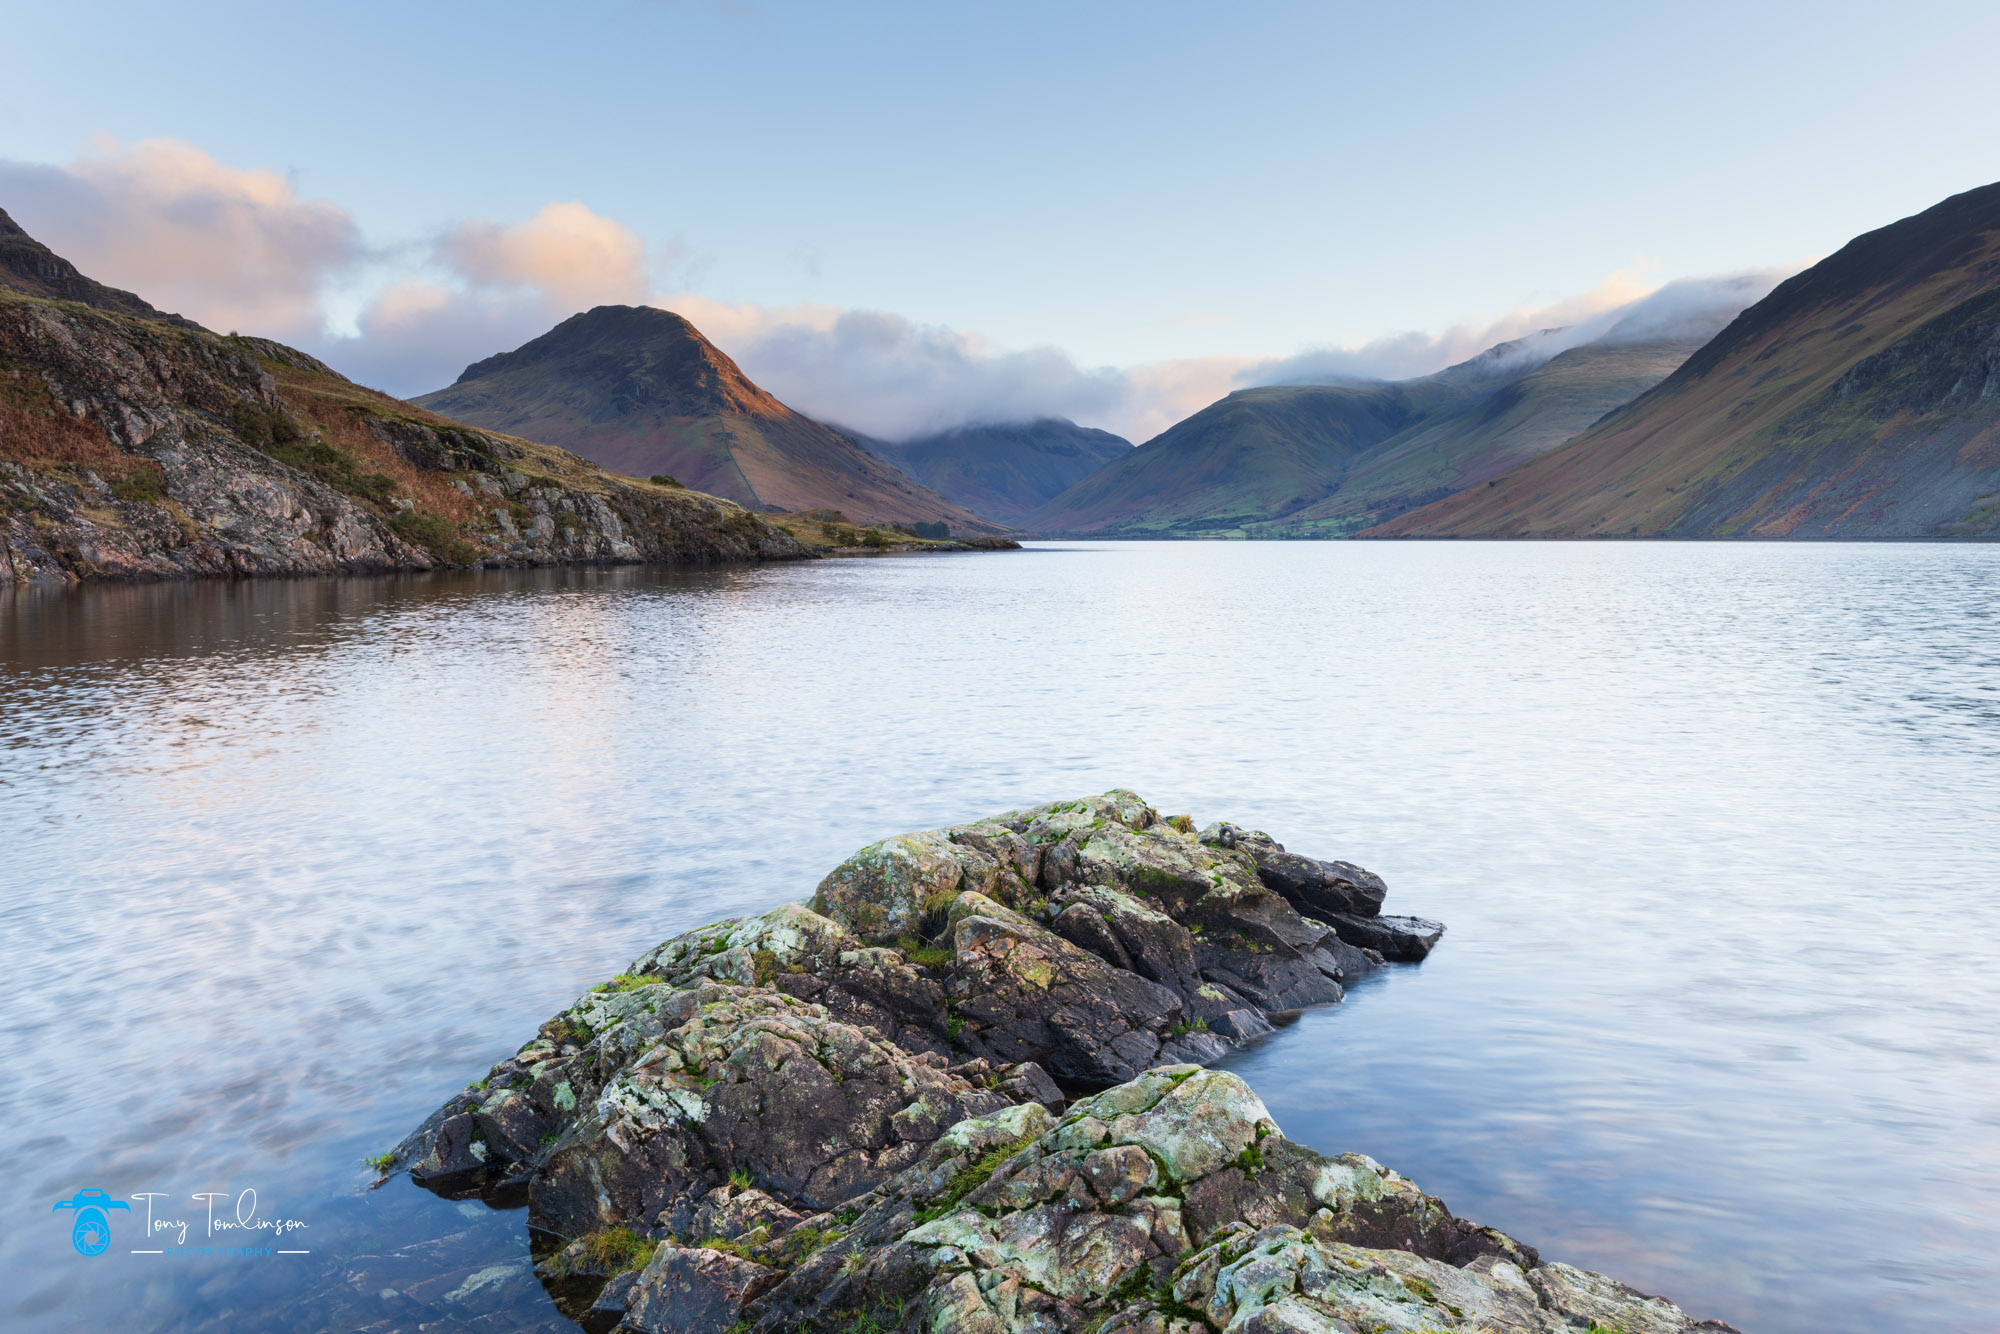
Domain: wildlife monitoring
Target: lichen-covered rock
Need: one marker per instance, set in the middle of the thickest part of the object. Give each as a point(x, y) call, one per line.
point(900, 888)
point(893, 889)
point(750, 1081)
point(694, 1291)
point(1023, 993)
point(1282, 1278)
point(850, 1110)
point(1014, 1223)
point(812, 957)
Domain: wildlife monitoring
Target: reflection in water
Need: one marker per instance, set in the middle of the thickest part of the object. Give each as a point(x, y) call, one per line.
point(1712, 826)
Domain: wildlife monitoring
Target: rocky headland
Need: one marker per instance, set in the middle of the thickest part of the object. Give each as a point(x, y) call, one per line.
point(963, 1089)
point(131, 448)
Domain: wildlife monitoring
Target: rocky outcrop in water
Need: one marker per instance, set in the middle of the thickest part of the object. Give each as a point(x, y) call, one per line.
point(964, 1090)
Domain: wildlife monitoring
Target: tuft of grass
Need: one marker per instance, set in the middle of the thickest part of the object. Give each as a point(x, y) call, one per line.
point(802, 1241)
point(566, 1028)
point(1178, 1030)
point(614, 1250)
point(626, 982)
point(661, 479)
point(740, 1179)
point(142, 484)
point(925, 956)
point(971, 1178)
point(1251, 1160)
point(382, 1163)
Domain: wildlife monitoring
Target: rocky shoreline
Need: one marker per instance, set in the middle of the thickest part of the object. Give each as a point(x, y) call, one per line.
point(964, 1089)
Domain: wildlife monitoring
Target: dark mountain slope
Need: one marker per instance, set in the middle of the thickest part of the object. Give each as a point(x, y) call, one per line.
point(1004, 471)
point(640, 391)
point(1256, 455)
point(1861, 398)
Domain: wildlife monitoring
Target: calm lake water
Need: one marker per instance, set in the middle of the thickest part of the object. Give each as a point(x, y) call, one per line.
point(1716, 830)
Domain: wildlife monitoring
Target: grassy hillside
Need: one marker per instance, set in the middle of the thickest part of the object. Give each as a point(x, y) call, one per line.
point(1522, 419)
point(1327, 460)
point(640, 391)
point(1256, 455)
point(1861, 398)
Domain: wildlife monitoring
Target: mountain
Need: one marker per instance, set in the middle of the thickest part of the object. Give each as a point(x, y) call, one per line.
point(140, 445)
point(29, 267)
point(1861, 398)
point(1004, 471)
point(1256, 455)
point(1325, 460)
point(640, 391)
point(1521, 419)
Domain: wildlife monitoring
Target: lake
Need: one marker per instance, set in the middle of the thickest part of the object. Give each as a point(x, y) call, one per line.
point(1715, 829)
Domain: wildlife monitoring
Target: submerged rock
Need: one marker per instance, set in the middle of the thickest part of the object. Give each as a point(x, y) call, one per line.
point(964, 1091)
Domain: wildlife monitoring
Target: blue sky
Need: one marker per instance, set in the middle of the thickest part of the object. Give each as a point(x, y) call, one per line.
point(1118, 185)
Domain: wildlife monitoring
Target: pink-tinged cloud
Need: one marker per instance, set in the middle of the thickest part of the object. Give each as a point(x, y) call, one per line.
point(234, 249)
point(572, 257)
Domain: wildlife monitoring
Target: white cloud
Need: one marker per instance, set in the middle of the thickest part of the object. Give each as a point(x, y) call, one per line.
point(1624, 308)
point(885, 376)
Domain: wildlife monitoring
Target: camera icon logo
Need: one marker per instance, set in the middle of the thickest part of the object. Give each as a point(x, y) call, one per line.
point(91, 1234)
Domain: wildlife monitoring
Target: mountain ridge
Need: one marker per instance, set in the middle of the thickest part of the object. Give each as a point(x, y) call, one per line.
point(1325, 460)
point(641, 391)
point(1005, 469)
point(1860, 398)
